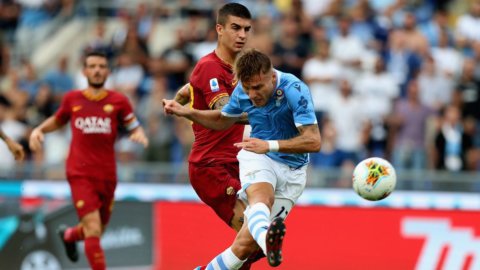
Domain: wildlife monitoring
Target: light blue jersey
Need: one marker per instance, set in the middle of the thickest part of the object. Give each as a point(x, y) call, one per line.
point(289, 107)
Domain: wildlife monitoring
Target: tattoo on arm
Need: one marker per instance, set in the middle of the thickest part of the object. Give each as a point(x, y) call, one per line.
point(183, 95)
point(221, 102)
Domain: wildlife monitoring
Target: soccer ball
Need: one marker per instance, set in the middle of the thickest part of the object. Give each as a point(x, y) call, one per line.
point(374, 178)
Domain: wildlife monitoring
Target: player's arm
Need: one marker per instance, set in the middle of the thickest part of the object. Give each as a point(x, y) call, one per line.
point(307, 141)
point(138, 135)
point(183, 94)
point(212, 119)
point(37, 136)
point(221, 102)
point(15, 148)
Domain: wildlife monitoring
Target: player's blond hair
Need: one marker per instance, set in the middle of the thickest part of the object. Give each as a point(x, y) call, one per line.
point(251, 63)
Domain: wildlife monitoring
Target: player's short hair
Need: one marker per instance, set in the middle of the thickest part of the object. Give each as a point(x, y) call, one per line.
point(232, 9)
point(93, 53)
point(250, 64)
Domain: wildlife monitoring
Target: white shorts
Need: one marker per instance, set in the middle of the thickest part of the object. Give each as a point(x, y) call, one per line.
point(287, 182)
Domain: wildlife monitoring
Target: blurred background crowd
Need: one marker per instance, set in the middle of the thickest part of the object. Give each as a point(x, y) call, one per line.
point(393, 78)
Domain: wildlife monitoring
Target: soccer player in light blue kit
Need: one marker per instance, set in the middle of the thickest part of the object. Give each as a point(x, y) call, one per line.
point(273, 161)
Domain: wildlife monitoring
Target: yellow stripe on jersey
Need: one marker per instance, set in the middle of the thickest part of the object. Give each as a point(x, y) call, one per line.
point(190, 90)
point(215, 99)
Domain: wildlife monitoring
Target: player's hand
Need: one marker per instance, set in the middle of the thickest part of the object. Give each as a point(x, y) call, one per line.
point(138, 136)
point(16, 149)
point(171, 107)
point(253, 145)
point(36, 140)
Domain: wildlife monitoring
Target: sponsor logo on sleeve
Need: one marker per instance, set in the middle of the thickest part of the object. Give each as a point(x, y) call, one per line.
point(214, 85)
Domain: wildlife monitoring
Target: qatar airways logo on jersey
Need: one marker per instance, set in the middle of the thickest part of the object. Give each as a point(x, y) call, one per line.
point(94, 124)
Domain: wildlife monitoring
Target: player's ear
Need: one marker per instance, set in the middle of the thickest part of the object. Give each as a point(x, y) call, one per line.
point(274, 78)
point(219, 28)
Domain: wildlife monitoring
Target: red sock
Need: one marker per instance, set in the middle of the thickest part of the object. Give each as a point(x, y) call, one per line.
point(74, 234)
point(94, 253)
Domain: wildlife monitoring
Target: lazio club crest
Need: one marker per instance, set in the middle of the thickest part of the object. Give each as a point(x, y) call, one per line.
point(279, 95)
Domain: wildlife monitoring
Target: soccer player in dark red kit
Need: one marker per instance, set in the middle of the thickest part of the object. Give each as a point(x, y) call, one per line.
point(213, 164)
point(95, 115)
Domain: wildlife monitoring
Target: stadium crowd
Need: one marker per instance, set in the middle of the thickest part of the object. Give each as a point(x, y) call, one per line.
point(392, 78)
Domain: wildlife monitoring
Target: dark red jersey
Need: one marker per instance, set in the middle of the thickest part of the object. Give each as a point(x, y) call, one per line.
point(210, 80)
point(94, 122)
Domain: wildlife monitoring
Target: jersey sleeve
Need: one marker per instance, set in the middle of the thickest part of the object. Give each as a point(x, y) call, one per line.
point(233, 108)
point(211, 82)
point(126, 115)
point(300, 100)
point(63, 113)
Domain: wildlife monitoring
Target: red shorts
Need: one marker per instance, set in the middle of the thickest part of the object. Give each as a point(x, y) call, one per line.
point(217, 186)
point(90, 194)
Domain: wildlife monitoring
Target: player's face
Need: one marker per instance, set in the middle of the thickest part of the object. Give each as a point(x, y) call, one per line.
point(234, 34)
point(260, 88)
point(96, 71)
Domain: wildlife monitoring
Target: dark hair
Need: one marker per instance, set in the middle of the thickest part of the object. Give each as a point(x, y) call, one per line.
point(93, 53)
point(232, 9)
point(252, 63)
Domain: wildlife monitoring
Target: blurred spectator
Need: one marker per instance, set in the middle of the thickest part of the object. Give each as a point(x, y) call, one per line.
point(175, 62)
point(468, 26)
point(377, 89)
point(59, 79)
point(452, 144)
point(29, 81)
point(145, 21)
point(447, 59)
point(322, 73)
point(262, 38)
point(9, 14)
point(348, 49)
point(435, 27)
point(127, 76)
point(409, 123)
point(205, 46)
point(42, 107)
point(467, 97)
point(34, 23)
point(435, 89)
point(157, 125)
point(347, 115)
point(289, 51)
point(100, 42)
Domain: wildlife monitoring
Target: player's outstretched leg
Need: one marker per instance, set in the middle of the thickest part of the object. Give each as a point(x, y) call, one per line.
point(70, 246)
point(275, 234)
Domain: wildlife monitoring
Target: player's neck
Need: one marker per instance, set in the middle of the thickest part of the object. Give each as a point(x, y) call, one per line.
point(94, 91)
point(225, 55)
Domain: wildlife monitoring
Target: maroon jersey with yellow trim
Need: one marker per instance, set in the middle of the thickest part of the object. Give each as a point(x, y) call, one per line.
point(94, 122)
point(210, 80)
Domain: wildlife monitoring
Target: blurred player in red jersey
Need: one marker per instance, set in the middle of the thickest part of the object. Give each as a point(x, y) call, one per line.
point(213, 164)
point(95, 115)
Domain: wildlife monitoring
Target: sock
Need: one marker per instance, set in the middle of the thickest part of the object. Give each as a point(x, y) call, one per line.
point(258, 218)
point(94, 253)
point(227, 260)
point(74, 234)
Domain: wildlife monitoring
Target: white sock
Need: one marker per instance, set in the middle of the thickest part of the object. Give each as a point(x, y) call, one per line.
point(258, 221)
point(226, 261)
